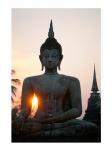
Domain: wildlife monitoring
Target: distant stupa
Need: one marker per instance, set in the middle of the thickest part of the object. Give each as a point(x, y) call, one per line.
point(93, 112)
point(94, 86)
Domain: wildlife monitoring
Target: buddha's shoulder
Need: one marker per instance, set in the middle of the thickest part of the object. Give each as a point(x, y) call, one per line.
point(33, 78)
point(39, 78)
point(69, 78)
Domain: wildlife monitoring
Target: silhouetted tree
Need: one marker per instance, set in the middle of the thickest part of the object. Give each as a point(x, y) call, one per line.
point(15, 82)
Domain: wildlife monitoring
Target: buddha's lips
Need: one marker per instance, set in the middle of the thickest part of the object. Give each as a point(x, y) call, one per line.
point(51, 65)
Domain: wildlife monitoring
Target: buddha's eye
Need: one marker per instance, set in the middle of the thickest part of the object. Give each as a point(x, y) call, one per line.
point(46, 56)
point(54, 56)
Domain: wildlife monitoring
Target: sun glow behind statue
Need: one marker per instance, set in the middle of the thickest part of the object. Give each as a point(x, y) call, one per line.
point(34, 106)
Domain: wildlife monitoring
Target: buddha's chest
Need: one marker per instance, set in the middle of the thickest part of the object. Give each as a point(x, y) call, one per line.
point(51, 91)
point(48, 86)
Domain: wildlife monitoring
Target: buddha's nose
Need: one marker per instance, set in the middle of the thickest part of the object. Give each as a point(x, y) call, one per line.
point(50, 59)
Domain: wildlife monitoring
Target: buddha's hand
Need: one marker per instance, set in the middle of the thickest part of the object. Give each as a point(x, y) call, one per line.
point(41, 116)
point(52, 119)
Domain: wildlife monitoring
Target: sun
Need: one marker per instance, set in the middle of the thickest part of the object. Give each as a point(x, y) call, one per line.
point(34, 102)
point(34, 106)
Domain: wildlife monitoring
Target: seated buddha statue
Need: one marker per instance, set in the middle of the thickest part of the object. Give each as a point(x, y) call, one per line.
point(59, 97)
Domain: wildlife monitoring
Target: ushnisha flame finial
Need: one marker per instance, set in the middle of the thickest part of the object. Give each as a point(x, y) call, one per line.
point(51, 33)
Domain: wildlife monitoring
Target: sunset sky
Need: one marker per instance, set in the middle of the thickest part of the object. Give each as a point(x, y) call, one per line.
point(77, 30)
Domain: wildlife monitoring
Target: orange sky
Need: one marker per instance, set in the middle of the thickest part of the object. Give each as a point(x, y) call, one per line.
point(77, 30)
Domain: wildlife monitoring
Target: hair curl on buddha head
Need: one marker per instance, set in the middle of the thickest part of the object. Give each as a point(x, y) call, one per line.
point(51, 42)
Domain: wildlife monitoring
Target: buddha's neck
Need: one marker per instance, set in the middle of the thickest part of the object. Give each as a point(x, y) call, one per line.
point(51, 71)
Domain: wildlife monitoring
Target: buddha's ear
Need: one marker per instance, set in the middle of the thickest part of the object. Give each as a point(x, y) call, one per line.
point(40, 57)
point(61, 57)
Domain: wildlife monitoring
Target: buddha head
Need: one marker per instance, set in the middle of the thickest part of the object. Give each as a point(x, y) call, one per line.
point(51, 52)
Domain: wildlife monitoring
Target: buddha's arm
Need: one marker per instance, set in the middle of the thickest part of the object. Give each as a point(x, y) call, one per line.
point(75, 97)
point(27, 94)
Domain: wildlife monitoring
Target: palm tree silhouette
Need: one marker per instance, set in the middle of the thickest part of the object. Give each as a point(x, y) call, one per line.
point(14, 84)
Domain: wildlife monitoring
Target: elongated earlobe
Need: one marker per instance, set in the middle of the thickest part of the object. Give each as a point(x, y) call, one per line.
point(42, 68)
point(59, 67)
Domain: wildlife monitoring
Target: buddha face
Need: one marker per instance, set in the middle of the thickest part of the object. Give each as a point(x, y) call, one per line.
point(50, 58)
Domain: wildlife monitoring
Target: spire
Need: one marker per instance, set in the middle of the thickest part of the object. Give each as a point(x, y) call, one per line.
point(94, 86)
point(51, 33)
